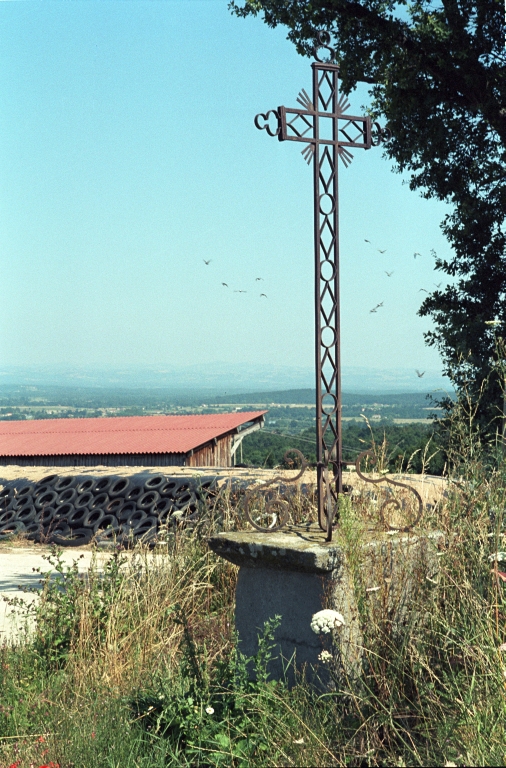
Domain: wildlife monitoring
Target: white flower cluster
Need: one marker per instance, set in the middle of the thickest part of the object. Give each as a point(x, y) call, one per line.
point(325, 621)
point(500, 556)
point(325, 657)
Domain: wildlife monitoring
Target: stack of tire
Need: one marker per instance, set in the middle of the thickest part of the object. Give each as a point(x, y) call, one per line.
point(73, 511)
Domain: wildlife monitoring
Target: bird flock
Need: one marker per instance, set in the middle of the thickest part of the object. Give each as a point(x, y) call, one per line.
point(237, 290)
point(389, 274)
point(420, 374)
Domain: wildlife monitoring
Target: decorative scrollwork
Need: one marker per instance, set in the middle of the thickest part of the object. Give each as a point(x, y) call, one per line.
point(379, 134)
point(323, 42)
point(265, 117)
point(390, 502)
point(277, 509)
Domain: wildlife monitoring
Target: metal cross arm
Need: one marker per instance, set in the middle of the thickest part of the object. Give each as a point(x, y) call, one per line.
point(328, 132)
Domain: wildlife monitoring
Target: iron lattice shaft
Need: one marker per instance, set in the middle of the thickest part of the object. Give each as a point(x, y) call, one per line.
point(327, 317)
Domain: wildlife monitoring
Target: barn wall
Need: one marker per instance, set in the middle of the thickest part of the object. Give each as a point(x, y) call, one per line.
point(210, 455)
point(94, 460)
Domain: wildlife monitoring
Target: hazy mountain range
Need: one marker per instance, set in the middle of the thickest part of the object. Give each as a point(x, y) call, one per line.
point(222, 378)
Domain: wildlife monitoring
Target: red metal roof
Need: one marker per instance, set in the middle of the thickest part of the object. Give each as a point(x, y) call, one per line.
point(123, 434)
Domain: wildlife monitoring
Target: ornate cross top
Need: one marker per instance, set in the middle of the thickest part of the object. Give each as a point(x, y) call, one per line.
point(323, 125)
point(327, 123)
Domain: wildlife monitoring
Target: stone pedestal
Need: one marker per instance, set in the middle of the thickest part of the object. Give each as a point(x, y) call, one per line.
point(295, 574)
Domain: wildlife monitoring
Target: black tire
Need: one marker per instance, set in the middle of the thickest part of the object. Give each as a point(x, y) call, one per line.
point(64, 511)
point(25, 491)
point(40, 489)
point(25, 501)
point(135, 519)
point(68, 496)
point(7, 491)
point(154, 483)
point(9, 530)
point(46, 516)
point(75, 519)
point(163, 507)
point(86, 486)
point(147, 500)
point(7, 499)
point(127, 509)
point(189, 508)
point(93, 518)
point(47, 499)
point(48, 480)
point(65, 482)
point(114, 506)
point(32, 531)
point(119, 487)
point(100, 501)
point(61, 530)
point(84, 500)
point(207, 488)
point(147, 530)
point(109, 535)
point(7, 505)
point(108, 522)
point(26, 514)
point(134, 493)
point(103, 484)
point(182, 500)
point(7, 517)
point(126, 536)
point(168, 489)
point(79, 537)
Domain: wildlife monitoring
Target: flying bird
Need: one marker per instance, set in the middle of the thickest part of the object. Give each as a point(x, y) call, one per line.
point(375, 309)
point(379, 249)
point(367, 241)
point(263, 294)
point(388, 274)
point(240, 291)
point(258, 278)
point(416, 254)
point(418, 373)
point(438, 285)
point(225, 284)
point(422, 289)
point(207, 262)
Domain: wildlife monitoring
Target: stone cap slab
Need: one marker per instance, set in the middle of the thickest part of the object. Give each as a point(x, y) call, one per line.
point(303, 548)
point(294, 549)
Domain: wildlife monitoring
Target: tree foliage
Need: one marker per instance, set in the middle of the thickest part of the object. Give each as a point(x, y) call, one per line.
point(437, 75)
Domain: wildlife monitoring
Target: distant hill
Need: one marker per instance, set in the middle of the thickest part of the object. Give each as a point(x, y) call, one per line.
point(308, 396)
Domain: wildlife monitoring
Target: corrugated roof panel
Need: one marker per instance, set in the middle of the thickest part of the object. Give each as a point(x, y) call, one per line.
point(123, 434)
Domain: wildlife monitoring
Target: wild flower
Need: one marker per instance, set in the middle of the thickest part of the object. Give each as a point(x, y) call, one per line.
point(498, 556)
point(325, 621)
point(210, 710)
point(325, 657)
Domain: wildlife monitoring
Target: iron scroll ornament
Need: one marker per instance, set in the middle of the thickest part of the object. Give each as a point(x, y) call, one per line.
point(278, 508)
point(390, 502)
point(323, 42)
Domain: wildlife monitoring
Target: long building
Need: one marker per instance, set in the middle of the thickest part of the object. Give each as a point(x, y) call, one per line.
point(209, 440)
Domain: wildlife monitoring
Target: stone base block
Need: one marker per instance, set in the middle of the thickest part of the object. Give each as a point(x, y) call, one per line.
point(295, 574)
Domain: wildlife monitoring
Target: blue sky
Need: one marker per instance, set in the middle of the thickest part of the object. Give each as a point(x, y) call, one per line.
point(128, 155)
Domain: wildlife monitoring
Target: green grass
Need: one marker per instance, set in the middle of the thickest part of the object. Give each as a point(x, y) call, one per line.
point(138, 666)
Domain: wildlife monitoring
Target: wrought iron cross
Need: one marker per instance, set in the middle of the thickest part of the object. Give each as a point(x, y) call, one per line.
point(328, 132)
